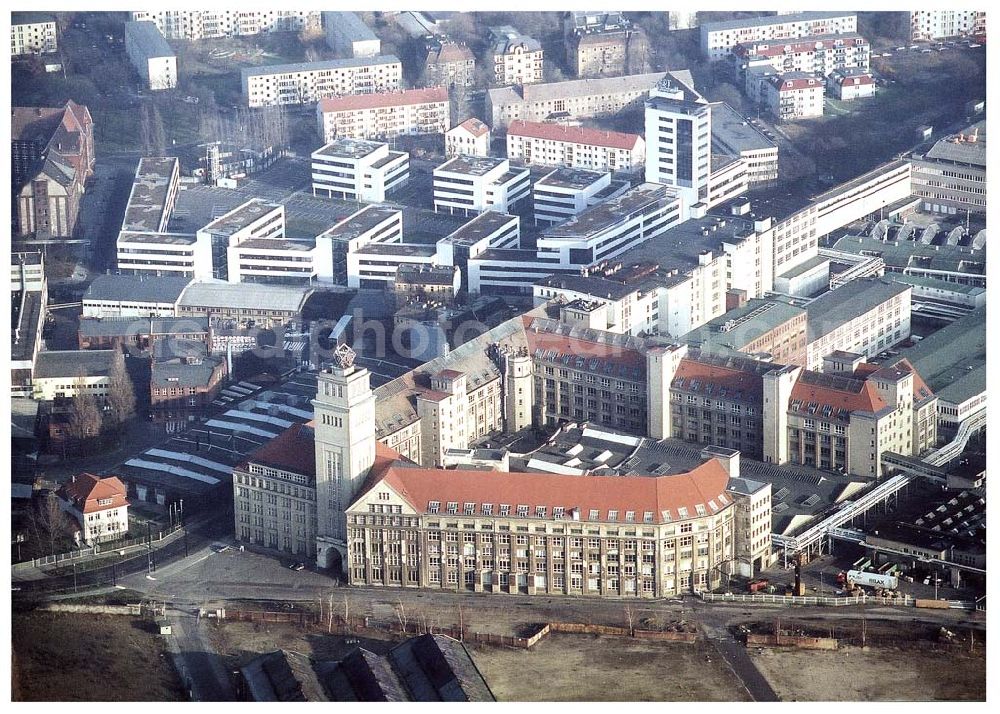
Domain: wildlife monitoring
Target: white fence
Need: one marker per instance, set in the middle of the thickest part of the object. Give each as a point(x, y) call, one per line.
point(905, 601)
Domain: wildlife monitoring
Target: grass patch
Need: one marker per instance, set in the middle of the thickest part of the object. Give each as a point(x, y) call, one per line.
point(105, 658)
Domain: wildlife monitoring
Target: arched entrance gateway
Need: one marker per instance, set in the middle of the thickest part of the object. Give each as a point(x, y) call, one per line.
point(331, 557)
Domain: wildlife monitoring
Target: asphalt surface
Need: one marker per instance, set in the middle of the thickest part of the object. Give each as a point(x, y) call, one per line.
point(735, 655)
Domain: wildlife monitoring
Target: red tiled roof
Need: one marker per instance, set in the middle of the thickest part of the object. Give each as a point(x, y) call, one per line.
point(565, 345)
point(384, 99)
point(750, 383)
point(450, 52)
point(864, 399)
point(472, 125)
point(707, 482)
point(292, 450)
point(854, 80)
point(776, 48)
point(85, 490)
point(788, 85)
point(573, 134)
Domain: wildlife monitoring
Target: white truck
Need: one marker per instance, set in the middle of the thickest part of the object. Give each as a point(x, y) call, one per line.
point(872, 580)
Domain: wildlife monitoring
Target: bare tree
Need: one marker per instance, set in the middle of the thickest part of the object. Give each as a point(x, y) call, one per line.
point(400, 614)
point(121, 396)
point(630, 618)
point(49, 525)
point(347, 613)
point(84, 417)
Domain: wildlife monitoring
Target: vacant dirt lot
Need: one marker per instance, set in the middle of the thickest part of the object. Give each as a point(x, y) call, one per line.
point(594, 668)
point(878, 674)
point(100, 658)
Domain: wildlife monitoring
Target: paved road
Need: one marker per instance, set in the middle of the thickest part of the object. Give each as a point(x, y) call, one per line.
point(197, 663)
point(735, 655)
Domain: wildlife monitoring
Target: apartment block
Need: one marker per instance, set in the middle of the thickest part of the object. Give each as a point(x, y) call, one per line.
point(574, 147)
point(449, 64)
point(360, 170)
point(212, 24)
point(384, 115)
point(817, 55)
point(517, 58)
point(793, 95)
point(347, 34)
point(477, 184)
point(306, 82)
point(850, 84)
point(570, 100)
point(603, 44)
point(470, 138)
point(274, 495)
point(151, 56)
point(717, 39)
point(938, 24)
point(32, 33)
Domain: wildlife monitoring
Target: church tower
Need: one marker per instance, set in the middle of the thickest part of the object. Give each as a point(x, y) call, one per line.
point(344, 414)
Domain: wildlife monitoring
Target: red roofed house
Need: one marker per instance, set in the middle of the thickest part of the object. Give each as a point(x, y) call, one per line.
point(574, 146)
point(274, 494)
point(646, 536)
point(98, 504)
point(793, 95)
point(384, 115)
point(470, 138)
point(848, 84)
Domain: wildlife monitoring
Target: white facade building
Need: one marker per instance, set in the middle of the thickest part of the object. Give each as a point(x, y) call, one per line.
point(99, 505)
point(476, 184)
point(517, 58)
point(470, 138)
point(718, 38)
point(165, 254)
point(150, 55)
point(564, 193)
point(32, 33)
point(575, 147)
point(359, 170)
point(384, 115)
point(306, 82)
point(793, 95)
point(936, 24)
point(849, 84)
point(210, 24)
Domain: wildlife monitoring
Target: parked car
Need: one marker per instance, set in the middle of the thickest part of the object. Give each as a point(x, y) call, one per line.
point(297, 566)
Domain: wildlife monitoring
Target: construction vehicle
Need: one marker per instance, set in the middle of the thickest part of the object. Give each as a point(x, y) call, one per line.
point(757, 585)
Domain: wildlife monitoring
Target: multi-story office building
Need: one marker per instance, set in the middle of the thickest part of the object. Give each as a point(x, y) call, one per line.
point(274, 495)
point(306, 82)
point(372, 224)
point(797, 231)
point(719, 38)
point(151, 56)
point(564, 193)
point(470, 138)
point(476, 184)
point(817, 55)
point(793, 95)
point(359, 170)
point(347, 34)
point(517, 58)
point(937, 24)
point(630, 307)
point(570, 100)
point(252, 221)
point(769, 329)
point(449, 64)
point(866, 316)
point(52, 156)
point(679, 147)
point(384, 115)
point(751, 524)
point(211, 24)
point(848, 84)
point(950, 177)
point(574, 146)
point(32, 33)
point(67, 373)
point(544, 534)
point(733, 135)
